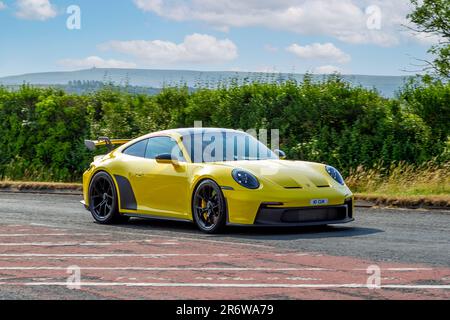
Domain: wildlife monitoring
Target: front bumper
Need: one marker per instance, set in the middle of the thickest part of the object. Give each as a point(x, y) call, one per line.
point(84, 204)
point(305, 216)
point(247, 208)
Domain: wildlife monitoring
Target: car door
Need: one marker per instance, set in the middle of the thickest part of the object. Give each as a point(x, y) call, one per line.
point(164, 186)
point(132, 191)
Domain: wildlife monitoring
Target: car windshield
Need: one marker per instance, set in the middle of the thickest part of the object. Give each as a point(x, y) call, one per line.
point(219, 146)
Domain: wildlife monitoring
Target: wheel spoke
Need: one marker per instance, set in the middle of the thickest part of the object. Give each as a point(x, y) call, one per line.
point(202, 210)
point(99, 205)
point(104, 209)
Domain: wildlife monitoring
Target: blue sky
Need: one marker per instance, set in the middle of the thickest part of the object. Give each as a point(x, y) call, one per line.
point(321, 36)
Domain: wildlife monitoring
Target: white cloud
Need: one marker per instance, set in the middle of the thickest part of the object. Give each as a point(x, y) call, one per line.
point(2, 5)
point(328, 69)
point(35, 10)
point(325, 51)
point(196, 48)
point(149, 5)
point(345, 20)
point(94, 61)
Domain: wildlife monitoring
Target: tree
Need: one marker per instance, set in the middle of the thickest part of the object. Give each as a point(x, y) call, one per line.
point(433, 17)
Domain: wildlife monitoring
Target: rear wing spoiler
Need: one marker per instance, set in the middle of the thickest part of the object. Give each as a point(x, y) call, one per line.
point(104, 141)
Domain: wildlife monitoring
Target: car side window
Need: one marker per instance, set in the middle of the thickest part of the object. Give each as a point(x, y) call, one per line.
point(137, 149)
point(163, 145)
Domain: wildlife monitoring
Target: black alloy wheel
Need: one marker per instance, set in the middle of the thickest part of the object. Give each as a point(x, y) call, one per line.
point(208, 207)
point(103, 200)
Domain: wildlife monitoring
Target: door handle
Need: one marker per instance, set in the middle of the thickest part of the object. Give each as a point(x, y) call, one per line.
point(139, 175)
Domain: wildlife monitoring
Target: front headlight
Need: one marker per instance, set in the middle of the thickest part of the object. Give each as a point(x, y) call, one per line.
point(335, 175)
point(245, 179)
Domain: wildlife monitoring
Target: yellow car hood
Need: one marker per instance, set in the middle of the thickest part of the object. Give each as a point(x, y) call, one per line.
point(287, 174)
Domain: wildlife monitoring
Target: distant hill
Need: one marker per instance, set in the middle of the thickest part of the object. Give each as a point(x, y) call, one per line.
point(148, 78)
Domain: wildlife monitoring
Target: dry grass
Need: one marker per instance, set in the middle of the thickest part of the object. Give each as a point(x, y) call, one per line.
point(53, 186)
point(442, 201)
point(403, 185)
point(402, 179)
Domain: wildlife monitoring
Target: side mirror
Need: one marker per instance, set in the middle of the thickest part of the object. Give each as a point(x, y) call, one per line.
point(280, 154)
point(166, 158)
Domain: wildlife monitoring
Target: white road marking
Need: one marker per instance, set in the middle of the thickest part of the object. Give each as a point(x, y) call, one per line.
point(64, 229)
point(47, 225)
point(164, 269)
point(400, 269)
point(5, 235)
point(49, 268)
point(302, 279)
point(73, 243)
point(53, 244)
point(229, 285)
point(15, 225)
point(84, 255)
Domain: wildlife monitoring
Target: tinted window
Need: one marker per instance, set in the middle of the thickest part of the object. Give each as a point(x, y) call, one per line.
point(225, 146)
point(163, 145)
point(137, 149)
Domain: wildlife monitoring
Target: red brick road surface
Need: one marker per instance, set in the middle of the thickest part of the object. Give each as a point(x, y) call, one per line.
point(34, 261)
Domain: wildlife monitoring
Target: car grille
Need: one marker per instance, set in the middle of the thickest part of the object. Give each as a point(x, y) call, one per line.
point(280, 216)
point(312, 215)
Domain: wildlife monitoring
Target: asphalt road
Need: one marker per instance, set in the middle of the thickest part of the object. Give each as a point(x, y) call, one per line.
point(42, 235)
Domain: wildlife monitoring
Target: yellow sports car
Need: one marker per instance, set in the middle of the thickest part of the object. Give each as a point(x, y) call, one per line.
point(213, 177)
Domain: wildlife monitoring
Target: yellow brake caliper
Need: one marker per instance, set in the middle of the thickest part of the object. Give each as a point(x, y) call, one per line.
point(205, 214)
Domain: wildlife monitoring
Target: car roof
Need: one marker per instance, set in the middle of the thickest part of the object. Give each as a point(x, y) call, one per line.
point(189, 131)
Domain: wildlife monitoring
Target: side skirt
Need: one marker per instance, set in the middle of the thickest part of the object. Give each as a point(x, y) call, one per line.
point(153, 217)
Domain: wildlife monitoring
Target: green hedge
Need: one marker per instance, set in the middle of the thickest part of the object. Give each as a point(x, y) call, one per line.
point(42, 130)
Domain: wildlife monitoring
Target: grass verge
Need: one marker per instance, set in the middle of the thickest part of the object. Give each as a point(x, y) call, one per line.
point(416, 202)
point(403, 185)
point(39, 186)
point(402, 180)
point(441, 201)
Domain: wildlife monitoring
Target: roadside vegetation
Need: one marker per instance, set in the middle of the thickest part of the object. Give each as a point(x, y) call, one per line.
point(401, 183)
point(395, 146)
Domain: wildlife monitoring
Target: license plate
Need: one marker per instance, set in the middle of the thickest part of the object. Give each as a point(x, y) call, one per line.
point(319, 202)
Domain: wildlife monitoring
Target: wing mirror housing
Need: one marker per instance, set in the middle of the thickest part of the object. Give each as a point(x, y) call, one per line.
point(166, 158)
point(281, 154)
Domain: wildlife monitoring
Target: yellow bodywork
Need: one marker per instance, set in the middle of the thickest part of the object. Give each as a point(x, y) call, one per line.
point(165, 189)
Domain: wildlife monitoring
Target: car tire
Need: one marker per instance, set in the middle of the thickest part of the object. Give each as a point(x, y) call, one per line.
point(103, 203)
point(209, 207)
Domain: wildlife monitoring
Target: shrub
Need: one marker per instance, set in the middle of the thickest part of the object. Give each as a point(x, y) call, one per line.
point(42, 130)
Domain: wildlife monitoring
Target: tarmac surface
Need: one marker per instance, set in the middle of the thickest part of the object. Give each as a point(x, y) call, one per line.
point(50, 248)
